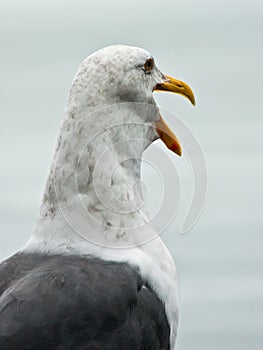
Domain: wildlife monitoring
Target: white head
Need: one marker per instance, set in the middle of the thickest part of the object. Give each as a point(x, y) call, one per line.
point(117, 74)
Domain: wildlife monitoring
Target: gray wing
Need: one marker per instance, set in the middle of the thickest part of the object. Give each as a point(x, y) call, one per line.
point(78, 303)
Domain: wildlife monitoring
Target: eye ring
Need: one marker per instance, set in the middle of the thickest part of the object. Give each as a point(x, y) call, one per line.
point(148, 65)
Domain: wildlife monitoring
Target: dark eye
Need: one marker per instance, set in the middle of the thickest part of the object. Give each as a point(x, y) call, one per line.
point(148, 65)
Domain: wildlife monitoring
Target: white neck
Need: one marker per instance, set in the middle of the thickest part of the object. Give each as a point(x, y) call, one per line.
point(93, 189)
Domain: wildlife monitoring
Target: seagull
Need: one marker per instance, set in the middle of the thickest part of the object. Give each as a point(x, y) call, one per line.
point(94, 273)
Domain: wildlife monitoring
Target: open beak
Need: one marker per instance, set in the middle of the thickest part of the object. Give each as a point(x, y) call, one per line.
point(166, 135)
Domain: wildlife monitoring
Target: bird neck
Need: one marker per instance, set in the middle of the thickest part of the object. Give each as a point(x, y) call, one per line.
point(94, 183)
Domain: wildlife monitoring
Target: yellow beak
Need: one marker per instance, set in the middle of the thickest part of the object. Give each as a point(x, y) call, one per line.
point(166, 135)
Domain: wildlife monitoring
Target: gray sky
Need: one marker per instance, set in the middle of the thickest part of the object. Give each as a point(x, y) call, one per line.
point(215, 46)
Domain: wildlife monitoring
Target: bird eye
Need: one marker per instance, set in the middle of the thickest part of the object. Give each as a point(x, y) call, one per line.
point(148, 65)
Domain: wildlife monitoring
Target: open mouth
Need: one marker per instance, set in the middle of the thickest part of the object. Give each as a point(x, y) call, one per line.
point(166, 134)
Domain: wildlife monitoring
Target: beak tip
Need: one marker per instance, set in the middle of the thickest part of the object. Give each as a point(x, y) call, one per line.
point(176, 148)
point(192, 100)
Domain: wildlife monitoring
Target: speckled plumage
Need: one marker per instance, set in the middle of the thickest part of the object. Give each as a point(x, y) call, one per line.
point(92, 204)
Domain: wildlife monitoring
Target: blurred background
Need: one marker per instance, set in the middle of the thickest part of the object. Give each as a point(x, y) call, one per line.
point(215, 46)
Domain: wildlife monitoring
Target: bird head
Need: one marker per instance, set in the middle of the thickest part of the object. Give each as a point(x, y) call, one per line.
point(118, 74)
